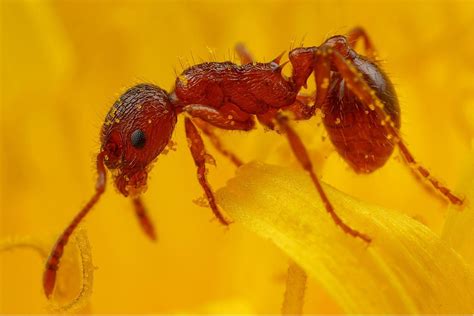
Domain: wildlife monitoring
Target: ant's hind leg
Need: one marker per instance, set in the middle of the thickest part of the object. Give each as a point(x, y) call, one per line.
point(143, 218)
point(369, 98)
point(358, 33)
point(301, 154)
point(200, 157)
point(303, 108)
point(420, 170)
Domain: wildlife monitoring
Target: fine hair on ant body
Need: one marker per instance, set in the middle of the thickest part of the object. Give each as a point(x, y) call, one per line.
point(359, 103)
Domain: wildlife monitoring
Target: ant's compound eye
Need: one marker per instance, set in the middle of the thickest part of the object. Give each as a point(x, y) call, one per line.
point(138, 138)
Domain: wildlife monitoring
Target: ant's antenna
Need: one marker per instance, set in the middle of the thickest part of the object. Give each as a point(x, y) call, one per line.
point(143, 218)
point(52, 264)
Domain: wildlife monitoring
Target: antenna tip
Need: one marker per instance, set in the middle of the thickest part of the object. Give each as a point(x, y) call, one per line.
point(49, 281)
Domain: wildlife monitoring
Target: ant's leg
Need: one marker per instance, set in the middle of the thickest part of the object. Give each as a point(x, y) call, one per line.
point(246, 57)
point(267, 119)
point(234, 119)
point(200, 157)
point(303, 108)
point(301, 154)
point(368, 97)
point(208, 130)
point(143, 218)
point(410, 160)
point(359, 33)
point(244, 54)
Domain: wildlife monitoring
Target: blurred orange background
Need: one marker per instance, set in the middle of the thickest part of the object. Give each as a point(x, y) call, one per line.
point(65, 62)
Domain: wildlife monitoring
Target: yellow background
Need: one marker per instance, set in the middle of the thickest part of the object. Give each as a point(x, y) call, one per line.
point(65, 62)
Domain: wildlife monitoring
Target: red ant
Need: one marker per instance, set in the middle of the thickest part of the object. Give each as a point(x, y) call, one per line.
point(360, 107)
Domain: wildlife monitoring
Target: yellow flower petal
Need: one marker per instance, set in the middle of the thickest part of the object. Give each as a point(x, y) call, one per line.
point(458, 227)
point(75, 276)
point(406, 268)
point(295, 290)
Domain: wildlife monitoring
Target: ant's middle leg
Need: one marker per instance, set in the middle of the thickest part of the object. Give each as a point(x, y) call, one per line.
point(299, 150)
point(228, 116)
point(359, 33)
point(200, 157)
point(246, 57)
point(233, 119)
point(208, 130)
point(369, 98)
point(244, 54)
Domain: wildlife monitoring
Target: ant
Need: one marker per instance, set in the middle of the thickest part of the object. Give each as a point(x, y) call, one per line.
point(360, 113)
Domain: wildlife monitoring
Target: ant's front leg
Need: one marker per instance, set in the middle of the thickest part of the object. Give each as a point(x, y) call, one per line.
point(359, 33)
point(355, 82)
point(200, 157)
point(299, 150)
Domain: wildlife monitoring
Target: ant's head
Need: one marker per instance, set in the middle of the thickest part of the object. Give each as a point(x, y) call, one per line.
point(136, 130)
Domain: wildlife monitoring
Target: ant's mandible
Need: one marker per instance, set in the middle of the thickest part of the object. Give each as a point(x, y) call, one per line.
point(360, 107)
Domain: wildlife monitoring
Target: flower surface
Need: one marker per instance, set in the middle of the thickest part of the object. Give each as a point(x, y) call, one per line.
point(65, 62)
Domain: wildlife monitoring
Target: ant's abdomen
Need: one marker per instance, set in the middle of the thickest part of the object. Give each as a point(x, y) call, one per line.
point(357, 132)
